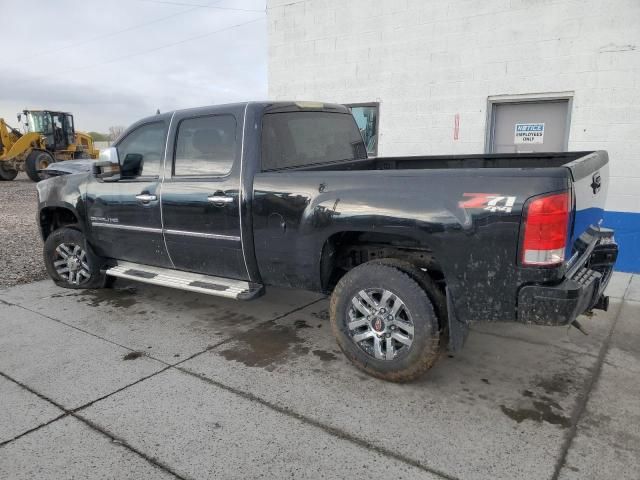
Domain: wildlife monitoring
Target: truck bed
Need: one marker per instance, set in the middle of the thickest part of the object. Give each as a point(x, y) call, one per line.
point(440, 200)
point(498, 160)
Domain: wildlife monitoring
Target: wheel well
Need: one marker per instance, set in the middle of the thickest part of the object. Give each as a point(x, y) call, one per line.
point(36, 151)
point(53, 218)
point(346, 250)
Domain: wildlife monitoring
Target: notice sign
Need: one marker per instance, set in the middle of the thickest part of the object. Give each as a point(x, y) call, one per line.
point(526, 133)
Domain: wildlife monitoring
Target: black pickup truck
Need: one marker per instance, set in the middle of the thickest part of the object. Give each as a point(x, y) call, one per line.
point(226, 200)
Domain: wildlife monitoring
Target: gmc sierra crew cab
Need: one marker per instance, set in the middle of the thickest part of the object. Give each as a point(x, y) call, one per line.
point(227, 200)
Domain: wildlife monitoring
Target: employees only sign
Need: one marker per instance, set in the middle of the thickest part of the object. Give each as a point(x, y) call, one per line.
point(528, 133)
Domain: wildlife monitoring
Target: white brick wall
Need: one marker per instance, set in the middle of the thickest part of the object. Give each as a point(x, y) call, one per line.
point(426, 60)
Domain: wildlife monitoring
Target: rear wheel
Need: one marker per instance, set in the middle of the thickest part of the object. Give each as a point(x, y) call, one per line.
point(69, 262)
point(430, 287)
point(385, 323)
point(37, 160)
point(7, 173)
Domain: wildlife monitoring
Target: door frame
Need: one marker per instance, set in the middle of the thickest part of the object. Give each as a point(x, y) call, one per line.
point(168, 177)
point(130, 183)
point(493, 100)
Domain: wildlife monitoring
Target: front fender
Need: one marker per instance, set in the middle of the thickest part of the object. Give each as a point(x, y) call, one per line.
point(65, 192)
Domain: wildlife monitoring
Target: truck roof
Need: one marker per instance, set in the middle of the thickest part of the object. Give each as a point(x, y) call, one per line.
point(266, 106)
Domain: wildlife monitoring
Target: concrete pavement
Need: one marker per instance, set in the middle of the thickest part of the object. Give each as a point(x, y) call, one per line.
point(146, 382)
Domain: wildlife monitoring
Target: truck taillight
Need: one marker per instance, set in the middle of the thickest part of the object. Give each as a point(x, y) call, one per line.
point(546, 229)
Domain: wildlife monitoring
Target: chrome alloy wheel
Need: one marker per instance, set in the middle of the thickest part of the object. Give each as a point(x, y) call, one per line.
point(71, 264)
point(380, 323)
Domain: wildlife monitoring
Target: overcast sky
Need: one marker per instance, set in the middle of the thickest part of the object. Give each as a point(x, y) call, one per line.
point(114, 62)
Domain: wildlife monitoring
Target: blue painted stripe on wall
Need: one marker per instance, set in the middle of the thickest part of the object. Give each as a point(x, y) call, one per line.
point(627, 227)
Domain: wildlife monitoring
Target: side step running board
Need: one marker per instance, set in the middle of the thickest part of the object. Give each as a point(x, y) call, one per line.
point(193, 282)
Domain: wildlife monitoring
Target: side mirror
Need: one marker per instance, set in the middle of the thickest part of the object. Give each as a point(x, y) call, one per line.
point(107, 165)
point(131, 165)
point(19, 117)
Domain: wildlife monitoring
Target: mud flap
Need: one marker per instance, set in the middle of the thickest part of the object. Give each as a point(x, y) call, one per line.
point(458, 330)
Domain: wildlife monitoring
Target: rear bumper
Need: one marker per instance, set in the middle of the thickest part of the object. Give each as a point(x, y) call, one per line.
point(580, 291)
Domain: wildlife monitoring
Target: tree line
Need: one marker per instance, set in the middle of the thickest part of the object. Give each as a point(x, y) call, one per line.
point(113, 134)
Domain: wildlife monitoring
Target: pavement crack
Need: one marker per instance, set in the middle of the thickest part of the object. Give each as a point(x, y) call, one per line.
point(626, 290)
point(61, 322)
point(120, 441)
point(36, 393)
point(74, 413)
point(583, 397)
point(34, 429)
point(209, 348)
point(129, 385)
point(336, 432)
point(64, 413)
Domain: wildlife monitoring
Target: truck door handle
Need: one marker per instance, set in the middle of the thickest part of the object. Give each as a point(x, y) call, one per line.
point(146, 198)
point(220, 199)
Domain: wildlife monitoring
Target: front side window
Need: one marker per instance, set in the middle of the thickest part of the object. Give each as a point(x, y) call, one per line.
point(298, 139)
point(148, 141)
point(366, 116)
point(205, 146)
point(39, 122)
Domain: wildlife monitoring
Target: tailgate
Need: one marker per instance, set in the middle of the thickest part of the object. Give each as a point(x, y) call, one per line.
point(590, 175)
point(591, 253)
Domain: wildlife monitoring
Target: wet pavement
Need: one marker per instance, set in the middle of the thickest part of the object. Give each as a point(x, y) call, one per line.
point(146, 382)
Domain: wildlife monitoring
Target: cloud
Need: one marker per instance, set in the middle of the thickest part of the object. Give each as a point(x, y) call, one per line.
point(140, 57)
point(37, 91)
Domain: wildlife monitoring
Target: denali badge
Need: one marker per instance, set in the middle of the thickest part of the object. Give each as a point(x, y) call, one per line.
point(596, 182)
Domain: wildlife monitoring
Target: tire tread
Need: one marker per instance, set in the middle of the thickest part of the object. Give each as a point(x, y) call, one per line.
point(71, 234)
point(430, 351)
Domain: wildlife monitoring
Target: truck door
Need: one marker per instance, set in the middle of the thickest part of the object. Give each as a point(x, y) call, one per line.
point(201, 194)
point(124, 215)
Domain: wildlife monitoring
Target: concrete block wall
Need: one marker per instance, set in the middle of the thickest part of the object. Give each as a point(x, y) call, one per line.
point(426, 61)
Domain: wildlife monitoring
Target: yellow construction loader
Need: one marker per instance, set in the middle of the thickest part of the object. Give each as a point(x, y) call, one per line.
point(48, 137)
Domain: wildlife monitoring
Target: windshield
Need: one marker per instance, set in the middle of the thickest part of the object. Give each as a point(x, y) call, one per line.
point(39, 122)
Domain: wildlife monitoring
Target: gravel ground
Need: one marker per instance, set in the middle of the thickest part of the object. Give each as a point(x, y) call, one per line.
point(20, 243)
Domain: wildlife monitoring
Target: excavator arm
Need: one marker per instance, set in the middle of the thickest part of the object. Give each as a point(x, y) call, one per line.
point(8, 136)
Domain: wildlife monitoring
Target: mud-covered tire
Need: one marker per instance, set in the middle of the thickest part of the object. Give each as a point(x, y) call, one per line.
point(66, 243)
point(435, 294)
point(37, 160)
point(411, 361)
point(7, 174)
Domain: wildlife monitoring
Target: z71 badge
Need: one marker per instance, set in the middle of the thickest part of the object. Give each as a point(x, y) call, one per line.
point(491, 202)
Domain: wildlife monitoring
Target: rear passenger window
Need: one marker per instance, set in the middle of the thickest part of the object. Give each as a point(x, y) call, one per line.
point(298, 139)
point(205, 146)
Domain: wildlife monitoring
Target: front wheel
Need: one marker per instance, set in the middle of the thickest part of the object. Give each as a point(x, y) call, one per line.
point(385, 323)
point(69, 262)
point(7, 173)
point(36, 161)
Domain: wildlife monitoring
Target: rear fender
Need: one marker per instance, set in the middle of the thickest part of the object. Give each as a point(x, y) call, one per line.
point(390, 243)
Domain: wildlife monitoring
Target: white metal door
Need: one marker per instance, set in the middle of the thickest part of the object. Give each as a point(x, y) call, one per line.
point(529, 126)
